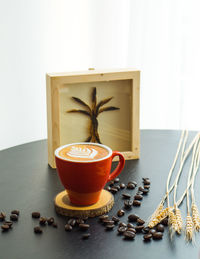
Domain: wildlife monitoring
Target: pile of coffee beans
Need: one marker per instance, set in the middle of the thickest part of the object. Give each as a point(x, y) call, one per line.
point(7, 224)
point(79, 223)
point(43, 221)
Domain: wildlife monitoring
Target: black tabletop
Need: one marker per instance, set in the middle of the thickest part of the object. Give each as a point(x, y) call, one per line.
point(27, 183)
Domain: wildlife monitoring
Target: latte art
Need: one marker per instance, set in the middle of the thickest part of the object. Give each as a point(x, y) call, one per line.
point(82, 152)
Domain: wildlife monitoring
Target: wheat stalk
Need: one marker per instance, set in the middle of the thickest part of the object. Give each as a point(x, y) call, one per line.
point(195, 217)
point(179, 220)
point(189, 228)
point(162, 215)
point(173, 227)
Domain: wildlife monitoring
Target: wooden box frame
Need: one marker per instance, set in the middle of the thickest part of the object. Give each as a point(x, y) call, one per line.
point(54, 81)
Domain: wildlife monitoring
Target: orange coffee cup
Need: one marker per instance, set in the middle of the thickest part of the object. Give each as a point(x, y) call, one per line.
point(84, 169)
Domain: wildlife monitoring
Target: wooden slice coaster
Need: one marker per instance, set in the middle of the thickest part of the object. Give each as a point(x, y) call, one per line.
point(65, 207)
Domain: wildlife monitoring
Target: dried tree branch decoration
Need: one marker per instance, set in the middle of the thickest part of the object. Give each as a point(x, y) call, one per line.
point(93, 112)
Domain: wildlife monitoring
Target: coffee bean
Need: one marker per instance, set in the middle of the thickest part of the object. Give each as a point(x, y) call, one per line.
point(114, 190)
point(146, 182)
point(102, 217)
point(120, 213)
point(108, 222)
point(86, 236)
point(140, 221)
point(145, 191)
point(72, 222)
point(129, 235)
point(122, 185)
point(126, 195)
point(128, 204)
point(9, 223)
point(139, 193)
point(136, 203)
point(55, 225)
point(139, 228)
point(117, 187)
point(15, 212)
point(146, 186)
point(42, 220)
point(84, 226)
point(111, 183)
point(145, 230)
point(133, 182)
point(147, 237)
point(131, 229)
point(2, 216)
point(130, 186)
point(164, 221)
point(5, 227)
point(116, 180)
point(122, 224)
point(138, 197)
point(121, 230)
point(110, 226)
point(152, 231)
point(160, 228)
point(108, 188)
point(80, 221)
point(38, 230)
point(84, 218)
point(158, 235)
point(129, 225)
point(13, 217)
point(133, 217)
point(140, 189)
point(68, 227)
point(145, 179)
point(50, 221)
point(35, 215)
point(115, 219)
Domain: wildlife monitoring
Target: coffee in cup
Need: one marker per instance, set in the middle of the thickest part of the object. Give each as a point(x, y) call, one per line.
point(84, 169)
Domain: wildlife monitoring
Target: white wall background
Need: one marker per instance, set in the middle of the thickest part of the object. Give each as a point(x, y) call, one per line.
point(159, 37)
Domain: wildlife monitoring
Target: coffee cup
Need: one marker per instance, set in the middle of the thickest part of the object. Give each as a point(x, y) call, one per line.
point(84, 169)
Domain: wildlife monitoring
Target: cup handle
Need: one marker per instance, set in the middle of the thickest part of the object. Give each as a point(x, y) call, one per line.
point(119, 167)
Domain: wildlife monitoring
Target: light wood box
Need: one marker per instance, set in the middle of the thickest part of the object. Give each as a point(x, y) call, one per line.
point(118, 129)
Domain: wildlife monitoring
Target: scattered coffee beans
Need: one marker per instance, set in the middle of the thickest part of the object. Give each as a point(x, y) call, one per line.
point(138, 197)
point(116, 180)
point(110, 226)
point(130, 186)
point(160, 228)
point(38, 230)
point(146, 230)
point(146, 186)
point(158, 235)
point(50, 221)
point(36, 215)
point(120, 213)
point(103, 217)
point(121, 230)
point(115, 219)
point(84, 226)
point(107, 221)
point(13, 217)
point(68, 228)
point(80, 221)
point(55, 225)
point(136, 203)
point(111, 183)
point(147, 237)
point(145, 191)
point(71, 222)
point(108, 188)
point(129, 225)
point(128, 204)
point(139, 228)
point(42, 220)
point(140, 221)
point(2, 216)
point(9, 223)
point(164, 222)
point(114, 190)
point(5, 227)
point(126, 195)
point(129, 235)
point(122, 185)
point(152, 231)
point(15, 212)
point(133, 217)
point(122, 224)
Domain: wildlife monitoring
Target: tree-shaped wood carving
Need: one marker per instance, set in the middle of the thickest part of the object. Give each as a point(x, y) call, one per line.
point(93, 112)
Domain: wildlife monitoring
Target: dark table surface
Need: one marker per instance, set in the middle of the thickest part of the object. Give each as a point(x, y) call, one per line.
point(27, 183)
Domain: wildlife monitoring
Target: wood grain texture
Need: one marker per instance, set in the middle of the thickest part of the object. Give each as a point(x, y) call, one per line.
point(64, 207)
